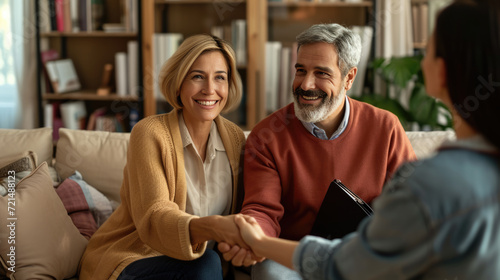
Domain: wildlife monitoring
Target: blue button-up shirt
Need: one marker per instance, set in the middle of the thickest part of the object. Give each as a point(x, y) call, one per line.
point(321, 134)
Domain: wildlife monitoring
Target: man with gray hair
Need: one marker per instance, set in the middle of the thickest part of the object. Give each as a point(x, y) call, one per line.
point(293, 155)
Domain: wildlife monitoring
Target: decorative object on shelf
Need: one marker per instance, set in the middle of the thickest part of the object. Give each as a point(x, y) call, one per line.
point(62, 75)
point(74, 114)
point(105, 88)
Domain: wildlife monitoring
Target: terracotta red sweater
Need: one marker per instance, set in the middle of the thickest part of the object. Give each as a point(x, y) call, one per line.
point(288, 170)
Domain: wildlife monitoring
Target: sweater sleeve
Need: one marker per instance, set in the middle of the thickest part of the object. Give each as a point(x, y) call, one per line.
point(151, 191)
point(262, 184)
point(400, 149)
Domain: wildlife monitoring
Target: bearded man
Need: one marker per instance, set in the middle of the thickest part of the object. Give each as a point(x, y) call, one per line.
point(293, 155)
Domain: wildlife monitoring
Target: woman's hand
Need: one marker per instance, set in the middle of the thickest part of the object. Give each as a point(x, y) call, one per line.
point(218, 228)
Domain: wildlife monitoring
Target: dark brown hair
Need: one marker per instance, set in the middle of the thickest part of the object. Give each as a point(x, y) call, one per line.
point(468, 39)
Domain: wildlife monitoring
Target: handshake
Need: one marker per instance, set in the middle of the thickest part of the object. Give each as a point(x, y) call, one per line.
point(239, 236)
point(247, 253)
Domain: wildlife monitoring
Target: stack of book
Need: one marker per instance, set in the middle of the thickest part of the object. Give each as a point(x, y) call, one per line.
point(84, 15)
point(164, 46)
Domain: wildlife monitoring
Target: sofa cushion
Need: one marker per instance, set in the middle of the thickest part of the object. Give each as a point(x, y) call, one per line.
point(17, 141)
point(44, 243)
point(99, 156)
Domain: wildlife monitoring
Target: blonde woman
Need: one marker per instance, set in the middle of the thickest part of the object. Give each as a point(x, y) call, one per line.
point(181, 178)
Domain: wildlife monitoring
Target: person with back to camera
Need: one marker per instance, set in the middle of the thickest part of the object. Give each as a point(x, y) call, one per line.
point(437, 218)
point(181, 176)
point(292, 156)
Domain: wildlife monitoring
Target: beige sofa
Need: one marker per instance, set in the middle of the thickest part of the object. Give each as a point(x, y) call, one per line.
point(43, 238)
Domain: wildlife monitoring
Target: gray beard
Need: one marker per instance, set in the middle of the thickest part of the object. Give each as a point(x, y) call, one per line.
point(313, 114)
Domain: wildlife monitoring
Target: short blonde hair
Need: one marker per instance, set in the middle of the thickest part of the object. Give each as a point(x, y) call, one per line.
point(175, 69)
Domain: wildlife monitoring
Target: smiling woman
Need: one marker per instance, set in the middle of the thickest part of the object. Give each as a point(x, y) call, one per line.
point(181, 179)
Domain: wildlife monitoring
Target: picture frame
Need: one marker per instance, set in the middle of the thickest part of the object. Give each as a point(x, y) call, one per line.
point(62, 75)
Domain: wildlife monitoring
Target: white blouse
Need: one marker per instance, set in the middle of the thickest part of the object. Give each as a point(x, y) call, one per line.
point(209, 183)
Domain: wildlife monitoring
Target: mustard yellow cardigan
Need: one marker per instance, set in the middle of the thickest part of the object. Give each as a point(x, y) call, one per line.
point(151, 219)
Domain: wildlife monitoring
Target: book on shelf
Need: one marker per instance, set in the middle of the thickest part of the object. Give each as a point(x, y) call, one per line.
point(133, 65)
point(121, 73)
point(420, 22)
point(68, 24)
point(45, 20)
point(59, 4)
point(285, 79)
point(239, 41)
point(235, 34)
point(272, 67)
point(52, 118)
point(73, 114)
point(51, 4)
point(164, 46)
point(71, 15)
point(113, 27)
point(62, 75)
point(366, 35)
point(45, 56)
point(129, 15)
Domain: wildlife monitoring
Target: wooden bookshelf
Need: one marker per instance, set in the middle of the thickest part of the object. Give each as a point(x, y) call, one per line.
point(87, 96)
point(321, 4)
point(89, 51)
point(280, 21)
point(90, 34)
point(262, 25)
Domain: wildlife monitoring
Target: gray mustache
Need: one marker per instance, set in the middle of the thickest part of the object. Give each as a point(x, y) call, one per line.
point(309, 93)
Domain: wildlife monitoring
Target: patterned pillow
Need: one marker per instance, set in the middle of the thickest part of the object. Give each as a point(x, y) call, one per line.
point(74, 201)
point(21, 164)
point(99, 205)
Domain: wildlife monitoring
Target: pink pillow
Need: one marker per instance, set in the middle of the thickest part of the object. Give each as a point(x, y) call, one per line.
point(76, 205)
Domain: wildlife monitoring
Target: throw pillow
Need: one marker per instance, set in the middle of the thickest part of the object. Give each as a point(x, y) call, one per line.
point(77, 207)
point(41, 241)
point(21, 164)
point(99, 205)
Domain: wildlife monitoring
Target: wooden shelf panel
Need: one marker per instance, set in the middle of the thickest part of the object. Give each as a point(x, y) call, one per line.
point(338, 4)
point(419, 1)
point(89, 34)
point(196, 1)
point(87, 96)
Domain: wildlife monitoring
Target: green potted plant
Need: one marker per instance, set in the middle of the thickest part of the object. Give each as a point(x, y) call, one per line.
point(422, 109)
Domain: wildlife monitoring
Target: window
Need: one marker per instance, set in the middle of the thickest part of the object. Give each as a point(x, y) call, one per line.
point(8, 63)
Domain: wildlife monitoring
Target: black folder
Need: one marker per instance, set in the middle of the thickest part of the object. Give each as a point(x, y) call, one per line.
point(340, 213)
